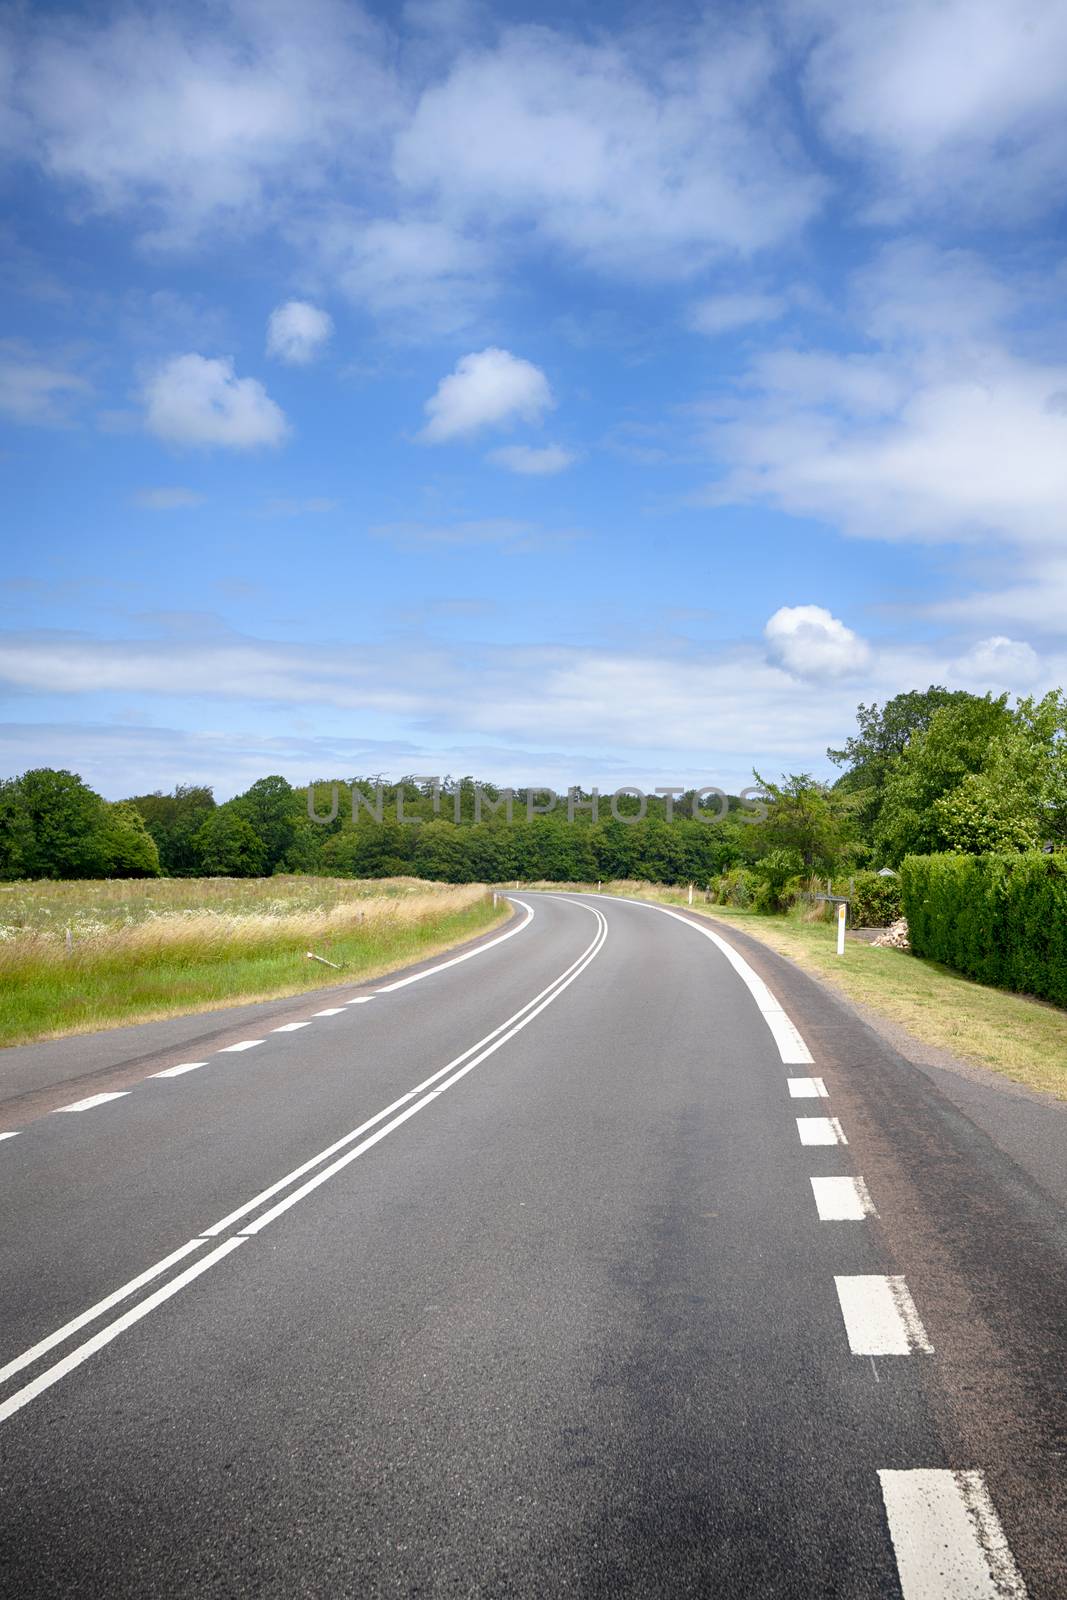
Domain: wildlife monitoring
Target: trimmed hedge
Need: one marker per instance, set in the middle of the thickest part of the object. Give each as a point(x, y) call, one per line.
point(999, 918)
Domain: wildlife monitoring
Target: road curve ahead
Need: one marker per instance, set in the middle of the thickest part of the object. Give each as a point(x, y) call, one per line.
point(595, 1264)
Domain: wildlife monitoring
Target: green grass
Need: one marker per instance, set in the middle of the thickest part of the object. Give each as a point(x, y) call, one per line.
point(1023, 1039)
point(136, 953)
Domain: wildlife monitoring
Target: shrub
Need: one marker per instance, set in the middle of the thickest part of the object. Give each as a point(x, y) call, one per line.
point(874, 902)
point(734, 888)
point(779, 880)
point(999, 918)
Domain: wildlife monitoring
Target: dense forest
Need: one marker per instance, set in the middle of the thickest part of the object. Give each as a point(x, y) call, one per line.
point(932, 770)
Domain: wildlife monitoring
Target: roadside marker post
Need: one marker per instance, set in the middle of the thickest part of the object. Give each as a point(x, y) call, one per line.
point(842, 912)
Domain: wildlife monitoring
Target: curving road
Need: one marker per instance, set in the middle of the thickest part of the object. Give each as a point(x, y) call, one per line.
point(614, 1258)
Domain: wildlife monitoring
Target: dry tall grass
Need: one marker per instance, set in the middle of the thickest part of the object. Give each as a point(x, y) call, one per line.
point(80, 955)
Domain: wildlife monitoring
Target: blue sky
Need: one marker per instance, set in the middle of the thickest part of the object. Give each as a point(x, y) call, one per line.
point(567, 394)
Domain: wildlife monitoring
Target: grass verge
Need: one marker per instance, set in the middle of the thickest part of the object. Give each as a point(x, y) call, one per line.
point(1018, 1037)
point(189, 955)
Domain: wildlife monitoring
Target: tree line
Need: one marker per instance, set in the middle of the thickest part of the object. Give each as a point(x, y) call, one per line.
point(929, 770)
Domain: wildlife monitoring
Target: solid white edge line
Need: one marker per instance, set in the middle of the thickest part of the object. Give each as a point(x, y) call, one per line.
point(454, 961)
point(176, 1072)
point(44, 1345)
point(93, 1100)
point(791, 1047)
point(947, 1537)
point(75, 1358)
point(842, 1199)
point(52, 1375)
point(880, 1316)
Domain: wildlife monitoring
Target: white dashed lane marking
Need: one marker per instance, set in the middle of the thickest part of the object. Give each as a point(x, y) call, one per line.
point(93, 1100)
point(880, 1317)
point(178, 1071)
point(820, 1130)
point(807, 1089)
point(360, 1000)
point(842, 1199)
point(13, 1135)
point(331, 1011)
point(245, 1044)
point(947, 1537)
point(290, 1027)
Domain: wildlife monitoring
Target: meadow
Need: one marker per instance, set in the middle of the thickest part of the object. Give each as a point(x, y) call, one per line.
point(75, 956)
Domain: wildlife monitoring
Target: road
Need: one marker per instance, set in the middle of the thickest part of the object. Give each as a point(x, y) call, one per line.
point(596, 1263)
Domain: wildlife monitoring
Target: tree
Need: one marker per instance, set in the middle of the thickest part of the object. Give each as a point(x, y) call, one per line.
point(174, 820)
point(127, 848)
point(805, 817)
point(228, 845)
point(271, 806)
point(956, 744)
point(53, 828)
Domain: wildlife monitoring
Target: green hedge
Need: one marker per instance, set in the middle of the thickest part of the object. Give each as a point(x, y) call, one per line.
point(1000, 918)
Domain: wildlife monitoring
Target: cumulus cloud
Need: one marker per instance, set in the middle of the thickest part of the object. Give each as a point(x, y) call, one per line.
point(810, 642)
point(195, 400)
point(958, 105)
point(489, 388)
point(999, 663)
point(297, 332)
point(531, 461)
point(164, 499)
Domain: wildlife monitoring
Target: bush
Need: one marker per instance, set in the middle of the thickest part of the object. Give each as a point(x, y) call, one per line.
point(734, 888)
point(999, 918)
point(779, 880)
point(874, 902)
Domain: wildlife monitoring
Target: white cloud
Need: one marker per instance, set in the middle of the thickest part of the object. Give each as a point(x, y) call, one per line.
point(297, 332)
point(35, 391)
point(645, 154)
point(188, 123)
point(959, 105)
point(164, 499)
point(811, 643)
point(999, 663)
point(195, 400)
point(941, 432)
point(530, 461)
point(420, 274)
point(489, 388)
point(723, 313)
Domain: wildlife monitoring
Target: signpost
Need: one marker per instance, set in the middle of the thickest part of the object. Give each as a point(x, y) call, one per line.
point(842, 912)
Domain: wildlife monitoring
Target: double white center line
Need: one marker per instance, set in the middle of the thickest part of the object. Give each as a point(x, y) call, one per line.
point(354, 1144)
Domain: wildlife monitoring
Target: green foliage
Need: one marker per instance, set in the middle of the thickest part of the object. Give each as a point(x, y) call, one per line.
point(52, 825)
point(174, 820)
point(807, 818)
point(126, 844)
point(779, 879)
point(874, 902)
point(229, 846)
point(1001, 919)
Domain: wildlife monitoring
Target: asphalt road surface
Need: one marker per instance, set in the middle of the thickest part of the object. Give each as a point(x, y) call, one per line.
point(614, 1259)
